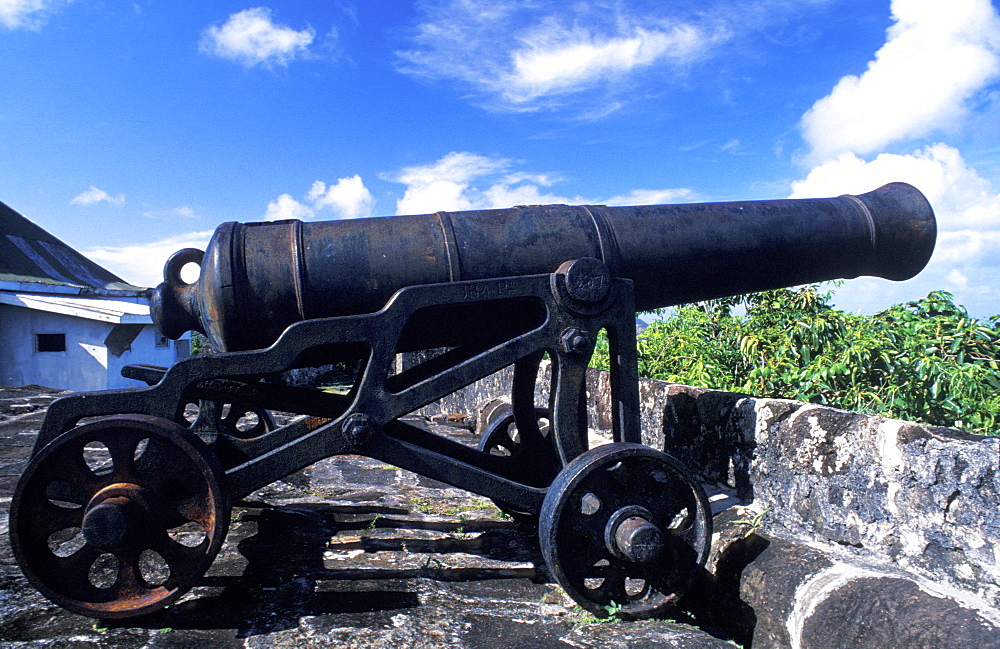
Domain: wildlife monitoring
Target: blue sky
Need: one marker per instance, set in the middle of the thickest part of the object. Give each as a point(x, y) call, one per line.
point(130, 130)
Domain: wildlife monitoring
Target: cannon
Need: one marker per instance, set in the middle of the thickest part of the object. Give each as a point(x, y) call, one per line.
point(474, 292)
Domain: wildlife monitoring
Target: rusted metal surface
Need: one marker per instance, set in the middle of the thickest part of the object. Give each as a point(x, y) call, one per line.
point(625, 526)
point(119, 517)
point(258, 278)
point(482, 291)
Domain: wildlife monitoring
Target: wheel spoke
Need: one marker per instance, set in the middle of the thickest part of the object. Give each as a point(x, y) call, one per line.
point(507, 440)
point(633, 480)
point(613, 588)
point(198, 510)
point(608, 497)
point(67, 492)
point(129, 581)
point(49, 519)
point(531, 457)
point(581, 562)
point(122, 449)
point(68, 465)
point(73, 572)
point(232, 419)
point(584, 530)
point(182, 560)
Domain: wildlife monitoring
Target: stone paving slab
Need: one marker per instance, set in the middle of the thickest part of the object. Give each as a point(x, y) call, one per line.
point(347, 553)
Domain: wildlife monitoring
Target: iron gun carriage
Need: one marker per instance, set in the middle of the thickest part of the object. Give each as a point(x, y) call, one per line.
point(620, 522)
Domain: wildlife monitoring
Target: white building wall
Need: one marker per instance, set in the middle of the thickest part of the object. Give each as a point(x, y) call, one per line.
point(85, 365)
point(148, 348)
point(81, 367)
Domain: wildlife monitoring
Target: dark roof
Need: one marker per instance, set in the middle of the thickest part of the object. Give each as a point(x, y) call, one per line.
point(29, 254)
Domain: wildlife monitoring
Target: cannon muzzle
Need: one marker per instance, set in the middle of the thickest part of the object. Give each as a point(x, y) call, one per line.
point(258, 278)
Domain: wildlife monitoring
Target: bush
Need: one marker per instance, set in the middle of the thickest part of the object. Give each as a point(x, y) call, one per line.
point(922, 361)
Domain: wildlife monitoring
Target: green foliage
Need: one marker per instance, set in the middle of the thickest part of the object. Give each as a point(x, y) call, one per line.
point(926, 361)
point(421, 505)
point(199, 344)
point(754, 523)
point(586, 617)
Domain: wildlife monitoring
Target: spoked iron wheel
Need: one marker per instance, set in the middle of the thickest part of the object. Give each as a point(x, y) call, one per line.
point(536, 459)
point(119, 517)
point(245, 422)
point(626, 528)
point(233, 419)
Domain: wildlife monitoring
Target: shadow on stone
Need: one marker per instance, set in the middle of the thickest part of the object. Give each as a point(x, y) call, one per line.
point(716, 603)
point(284, 577)
point(699, 429)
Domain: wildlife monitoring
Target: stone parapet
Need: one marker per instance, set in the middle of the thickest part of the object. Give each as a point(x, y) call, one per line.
point(919, 498)
point(912, 511)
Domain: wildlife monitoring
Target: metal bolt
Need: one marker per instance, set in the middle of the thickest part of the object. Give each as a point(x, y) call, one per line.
point(358, 428)
point(574, 341)
point(587, 279)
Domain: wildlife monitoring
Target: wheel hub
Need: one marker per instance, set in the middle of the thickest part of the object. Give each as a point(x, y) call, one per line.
point(115, 517)
point(629, 534)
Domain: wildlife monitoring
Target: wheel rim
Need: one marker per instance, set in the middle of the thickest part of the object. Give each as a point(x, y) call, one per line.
point(536, 458)
point(237, 420)
point(625, 528)
point(502, 438)
point(119, 517)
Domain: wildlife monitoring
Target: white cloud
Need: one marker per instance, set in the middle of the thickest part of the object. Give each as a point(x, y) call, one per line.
point(457, 166)
point(654, 197)
point(553, 60)
point(732, 145)
point(467, 181)
point(966, 258)
point(444, 185)
point(142, 264)
point(348, 198)
point(448, 185)
point(956, 278)
point(545, 180)
point(185, 211)
point(95, 195)
point(938, 61)
point(530, 55)
point(286, 207)
point(27, 14)
point(938, 55)
point(251, 38)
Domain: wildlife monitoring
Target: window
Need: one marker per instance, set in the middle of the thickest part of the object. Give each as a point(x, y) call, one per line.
point(161, 340)
point(50, 342)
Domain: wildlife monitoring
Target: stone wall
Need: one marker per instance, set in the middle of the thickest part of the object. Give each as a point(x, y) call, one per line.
point(921, 498)
point(886, 498)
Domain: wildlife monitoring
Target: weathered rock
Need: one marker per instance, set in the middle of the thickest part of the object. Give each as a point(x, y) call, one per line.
point(807, 599)
point(920, 498)
point(19, 400)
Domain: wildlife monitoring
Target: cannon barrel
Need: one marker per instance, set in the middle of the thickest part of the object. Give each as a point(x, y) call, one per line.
point(258, 278)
